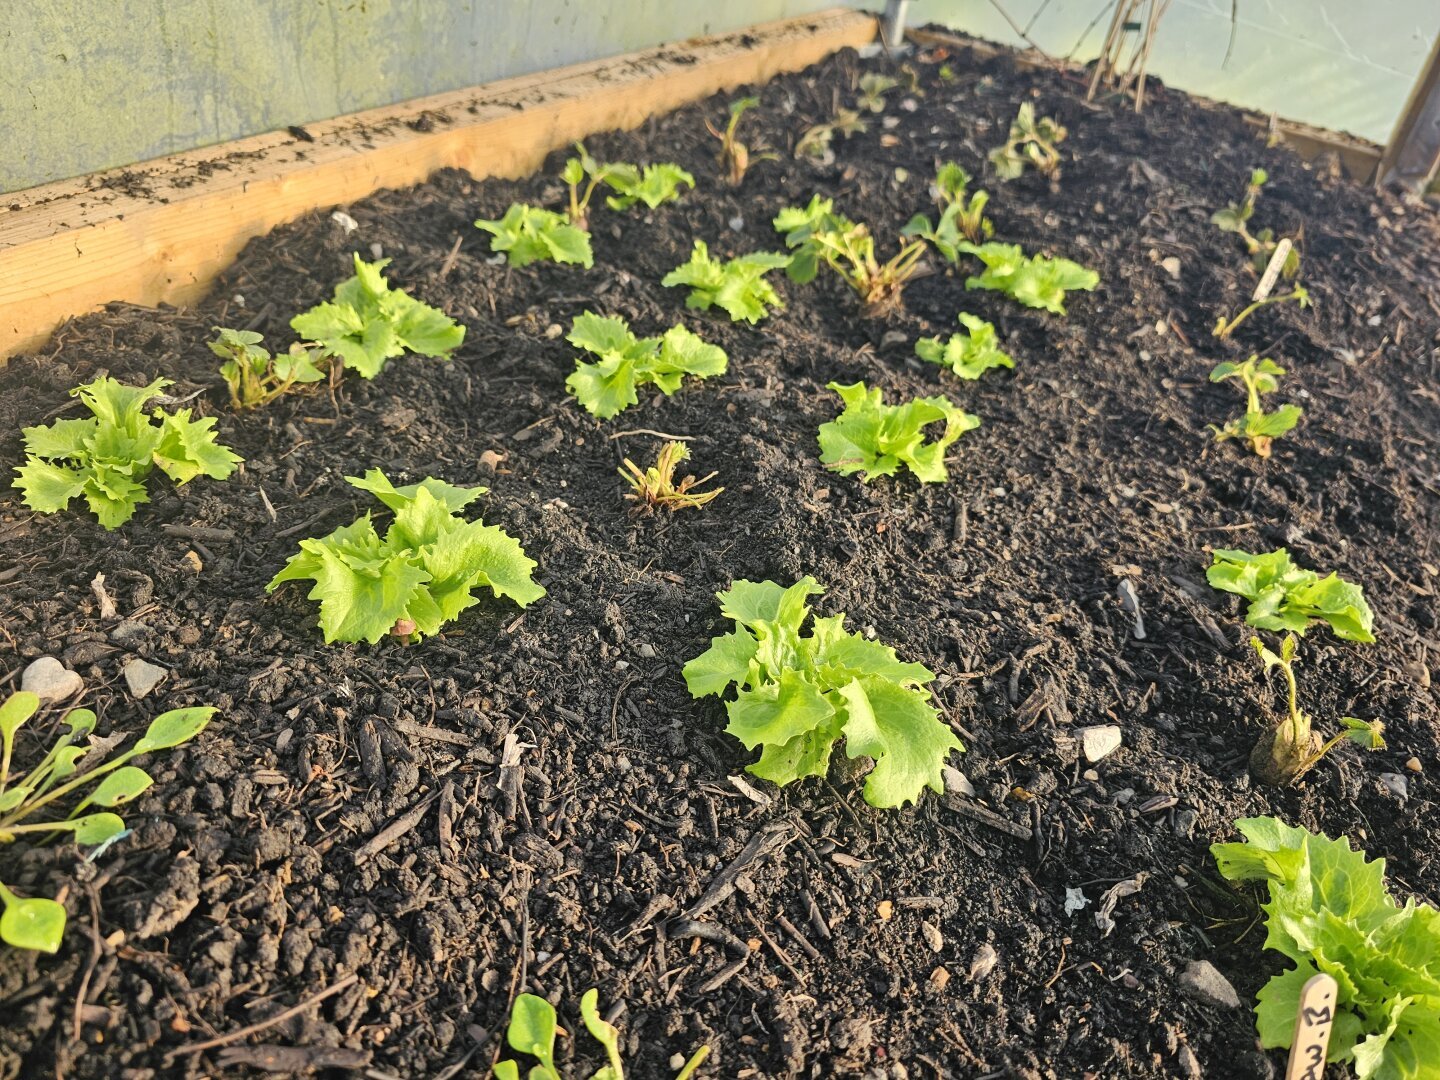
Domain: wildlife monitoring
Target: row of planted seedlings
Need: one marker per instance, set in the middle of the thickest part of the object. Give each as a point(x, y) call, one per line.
point(802, 683)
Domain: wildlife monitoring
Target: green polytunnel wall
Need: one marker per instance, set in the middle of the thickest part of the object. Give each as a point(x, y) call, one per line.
point(91, 84)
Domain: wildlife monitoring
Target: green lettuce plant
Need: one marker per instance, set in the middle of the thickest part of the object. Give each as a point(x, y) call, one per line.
point(528, 234)
point(799, 694)
point(1258, 427)
point(419, 575)
point(959, 220)
point(1036, 281)
point(67, 770)
point(105, 458)
point(1032, 143)
point(873, 88)
point(256, 378)
point(737, 287)
point(878, 439)
point(735, 157)
point(1292, 747)
point(656, 487)
point(652, 185)
point(367, 323)
point(968, 355)
point(1328, 910)
point(815, 142)
point(1287, 597)
point(608, 385)
point(532, 1030)
point(816, 235)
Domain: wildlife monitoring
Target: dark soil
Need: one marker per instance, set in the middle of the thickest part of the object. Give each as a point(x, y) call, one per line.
point(571, 812)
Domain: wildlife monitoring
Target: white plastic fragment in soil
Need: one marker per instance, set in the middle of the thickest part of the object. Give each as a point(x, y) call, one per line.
point(1075, 900)
point(50, 680)
point(1099, 742)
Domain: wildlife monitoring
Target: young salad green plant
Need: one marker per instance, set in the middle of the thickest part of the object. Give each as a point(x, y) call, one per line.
point(959, 220)
point(1260, 246)
point(105, 458)
point(656, 487)
point(736, 157)
point(533, 1028)
point(419, 575)
point(1260, 428)
point(816, 142)
point(1292, 747)
point(1035, 281)
point(65, 771)
point(1328, 910)
point(817, 235)
point(1287, 597)
point(256, 378)
point(528, 234)
point(1032, 143)
point(608, 386)
point(968, 355)
point(737, 287)
point(652, 185)
point(873, 88)
point(367, 323)
point(877, 439)
point(1225, 327)
point(797, 695)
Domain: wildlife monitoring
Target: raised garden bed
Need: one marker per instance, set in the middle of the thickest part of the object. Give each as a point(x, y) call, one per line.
point(566, 807)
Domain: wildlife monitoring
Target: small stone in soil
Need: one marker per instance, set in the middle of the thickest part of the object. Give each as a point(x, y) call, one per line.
point(1413, 764)
point(1396, 784)
point(1203, 982)
point(129, 633)
point(142, 677)
point(983, 962)
point(955, 781)
point(1099, 742)
point(931, 933)
point(50, 680)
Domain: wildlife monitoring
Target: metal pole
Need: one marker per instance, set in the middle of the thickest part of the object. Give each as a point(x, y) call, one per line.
point(892, 23)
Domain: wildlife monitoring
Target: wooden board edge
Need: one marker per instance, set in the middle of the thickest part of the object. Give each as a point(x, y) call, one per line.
point(73, 246)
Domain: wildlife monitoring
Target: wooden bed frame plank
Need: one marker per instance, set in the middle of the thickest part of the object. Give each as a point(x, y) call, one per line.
point(161, 231)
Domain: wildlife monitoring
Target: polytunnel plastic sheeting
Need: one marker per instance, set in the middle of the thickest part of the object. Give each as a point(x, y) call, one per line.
point(1339, 64)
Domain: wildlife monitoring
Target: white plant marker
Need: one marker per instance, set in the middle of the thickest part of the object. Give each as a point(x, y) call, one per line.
point(1313, 1021)
point(1272, 269)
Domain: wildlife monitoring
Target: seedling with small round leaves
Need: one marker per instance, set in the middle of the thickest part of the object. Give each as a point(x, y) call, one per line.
point(1031, 143)
point(1259, 377)
point(38, 923)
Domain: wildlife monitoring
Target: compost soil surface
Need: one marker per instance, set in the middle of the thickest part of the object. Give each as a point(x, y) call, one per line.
point(567, 816)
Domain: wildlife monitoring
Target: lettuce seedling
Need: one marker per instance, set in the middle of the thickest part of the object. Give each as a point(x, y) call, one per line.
point(878, 438)
point(655, 184)
point(368, 323)
point(873, 88)
point(417, 577)
point(532, 1030)
point(585, 170)
point(656, 487)
point(737, 287)
point(1225, 327)
point(608, 386)
point(528, 234)
point(255, 377)
point(797, 696)
point(959, 220)
point(106, 457)
point(1031, 142)
point(1291, 748)
point(1036, 281)
point(1259, 427)
point(735, 157)
point(1284, 596)
point(968, 355)
point(1259, 246)
point(817, 235)
point(1329, 911)
point(65, 770)
point(815, 142)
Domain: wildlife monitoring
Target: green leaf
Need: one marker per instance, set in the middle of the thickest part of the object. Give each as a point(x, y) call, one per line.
point(1036, 282)
point(778, 711)
point(968, 355)
point(121, 786)
point(452, 497)
point(1287, 597)
point(94, 829)
point(16, 709)
point(529, 234)
point(610, 385)
point(532, 1029)
point(602, 1032)
point(657, 184)
point(877, 439)
point(1368, 734)
point(897, 726)
point(726, 661)
point(36, 924)
point(173, 728)
point(737, 287)
point(506, 1070)
point(188, 449)
point(1278, 1003)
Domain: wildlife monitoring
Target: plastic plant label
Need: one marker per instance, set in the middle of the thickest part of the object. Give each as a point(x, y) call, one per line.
point(1314, 1018)
point(1272, 269)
